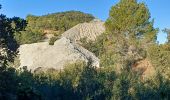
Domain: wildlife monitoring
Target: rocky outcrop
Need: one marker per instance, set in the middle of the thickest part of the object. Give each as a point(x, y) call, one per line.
point(38, 56)
point(85, 30)
point(43, 56)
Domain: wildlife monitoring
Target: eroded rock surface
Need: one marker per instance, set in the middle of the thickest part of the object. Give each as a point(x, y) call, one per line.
point(43, 55)
point(85, 30)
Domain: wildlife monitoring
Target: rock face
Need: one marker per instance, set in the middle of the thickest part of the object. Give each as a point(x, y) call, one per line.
point(38, 56)
point(42, 55)
point(85, 30)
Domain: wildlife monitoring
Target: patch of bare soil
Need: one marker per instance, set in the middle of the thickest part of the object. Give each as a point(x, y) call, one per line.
point(145, 68)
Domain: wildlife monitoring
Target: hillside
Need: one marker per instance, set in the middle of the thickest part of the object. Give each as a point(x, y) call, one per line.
point(64, 51)
point(38, 26)
point(61, 21)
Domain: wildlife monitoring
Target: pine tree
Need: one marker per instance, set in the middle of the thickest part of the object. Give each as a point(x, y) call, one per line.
point(129, 31)
point(131, 20)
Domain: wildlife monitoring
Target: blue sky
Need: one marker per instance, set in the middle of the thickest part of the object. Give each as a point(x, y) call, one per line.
point(160, 9)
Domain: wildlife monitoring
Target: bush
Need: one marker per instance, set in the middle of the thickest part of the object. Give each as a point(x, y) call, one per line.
point(52, 40)
point(28, 37)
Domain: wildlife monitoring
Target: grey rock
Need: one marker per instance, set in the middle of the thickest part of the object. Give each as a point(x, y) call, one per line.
point(42, 55)
point(90, 31)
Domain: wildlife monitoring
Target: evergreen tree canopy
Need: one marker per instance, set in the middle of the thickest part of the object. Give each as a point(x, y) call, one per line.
point(132, 20)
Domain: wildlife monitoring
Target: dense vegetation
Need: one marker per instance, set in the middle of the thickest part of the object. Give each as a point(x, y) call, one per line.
point(8, 27)
point(80, 82)
point(57, 23)
point(130, 37)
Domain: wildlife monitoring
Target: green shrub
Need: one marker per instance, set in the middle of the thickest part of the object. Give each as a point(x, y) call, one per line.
point(52, 40)
point(28, 37)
